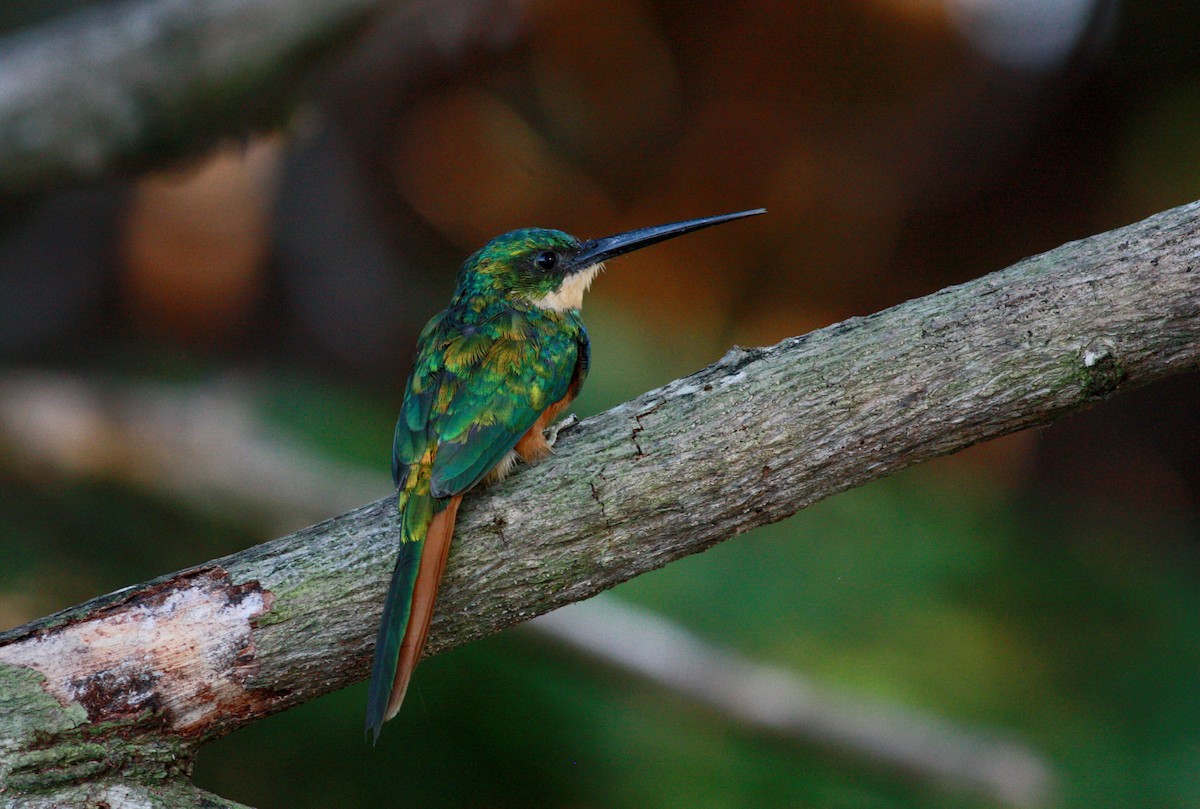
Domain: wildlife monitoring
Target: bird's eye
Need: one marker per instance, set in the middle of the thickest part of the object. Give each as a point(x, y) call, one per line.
point(546, 260)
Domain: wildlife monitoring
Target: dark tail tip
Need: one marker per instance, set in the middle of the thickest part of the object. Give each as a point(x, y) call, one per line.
point(375, 717)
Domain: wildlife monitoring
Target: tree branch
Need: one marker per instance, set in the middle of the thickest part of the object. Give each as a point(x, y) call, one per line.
point(746, 441)
point(206, 446)
point(145, 81)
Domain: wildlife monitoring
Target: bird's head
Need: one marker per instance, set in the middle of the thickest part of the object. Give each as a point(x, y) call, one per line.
point(551, 269)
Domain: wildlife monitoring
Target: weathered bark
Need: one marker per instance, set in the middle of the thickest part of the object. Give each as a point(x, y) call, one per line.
point(125, 686)
point(207, 446)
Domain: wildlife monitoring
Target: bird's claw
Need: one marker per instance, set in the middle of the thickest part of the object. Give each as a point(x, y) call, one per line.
point(553, 430)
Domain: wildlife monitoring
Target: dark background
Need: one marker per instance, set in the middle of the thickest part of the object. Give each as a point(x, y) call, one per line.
point(1044, 586)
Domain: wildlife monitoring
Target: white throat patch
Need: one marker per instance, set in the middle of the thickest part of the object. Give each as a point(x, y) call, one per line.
point(570, 294)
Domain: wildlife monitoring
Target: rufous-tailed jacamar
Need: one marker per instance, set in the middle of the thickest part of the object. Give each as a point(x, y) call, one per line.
point(492, 372)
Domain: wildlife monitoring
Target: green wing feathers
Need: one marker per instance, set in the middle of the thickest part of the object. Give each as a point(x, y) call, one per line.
point(477, 388)
point(481, 379)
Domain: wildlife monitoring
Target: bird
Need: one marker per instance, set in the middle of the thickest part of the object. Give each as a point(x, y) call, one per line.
point(492, 372)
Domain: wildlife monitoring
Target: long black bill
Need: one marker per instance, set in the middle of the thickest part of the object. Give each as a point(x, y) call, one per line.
point(595, 251)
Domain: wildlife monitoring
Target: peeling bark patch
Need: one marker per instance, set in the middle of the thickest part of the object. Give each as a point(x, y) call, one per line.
point(1102, 372)
point(179, 649)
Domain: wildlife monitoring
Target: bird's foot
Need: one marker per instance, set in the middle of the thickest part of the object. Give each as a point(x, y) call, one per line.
point(553, 430)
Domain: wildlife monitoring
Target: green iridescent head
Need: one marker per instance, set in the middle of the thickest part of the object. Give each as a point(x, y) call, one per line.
point(521, 264)
point(552, 269)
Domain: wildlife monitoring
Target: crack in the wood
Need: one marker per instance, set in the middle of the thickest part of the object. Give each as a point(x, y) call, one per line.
point(498, 523)
point(641, 427)
point(599, 502)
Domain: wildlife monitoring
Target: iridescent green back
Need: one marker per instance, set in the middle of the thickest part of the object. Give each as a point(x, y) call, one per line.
point(486, 368)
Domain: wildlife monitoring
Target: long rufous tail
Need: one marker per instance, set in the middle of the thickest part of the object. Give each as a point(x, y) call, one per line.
point(406, 616)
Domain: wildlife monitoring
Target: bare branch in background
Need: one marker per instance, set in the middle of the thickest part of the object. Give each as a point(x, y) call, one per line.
point(146, 81)
point(772, 699)
point(744, 442)
point(204, 446)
